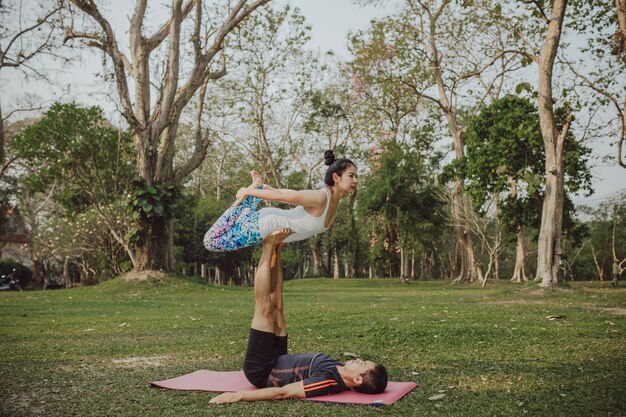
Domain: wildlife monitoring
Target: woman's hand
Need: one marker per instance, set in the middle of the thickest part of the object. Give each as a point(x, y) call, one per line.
point(227, 397)
point(242, 193)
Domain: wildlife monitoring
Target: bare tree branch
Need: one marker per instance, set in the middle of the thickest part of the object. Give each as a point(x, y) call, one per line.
point(158, 37)
point(119, 60)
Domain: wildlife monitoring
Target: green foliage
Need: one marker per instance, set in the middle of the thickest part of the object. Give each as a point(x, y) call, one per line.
point(20, 272)
point(77, 151)
point(150, 203)
point(154, 200)
point(504, 152)
point(598, 20)
point(86, 165)
point(503, 144)
point(399, 202)
point(323, 108)
point(190, 224)
point(604, 223)
point(388, 73)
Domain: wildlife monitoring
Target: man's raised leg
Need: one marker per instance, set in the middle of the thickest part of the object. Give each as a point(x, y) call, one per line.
point(280, 327)
point(265, 298)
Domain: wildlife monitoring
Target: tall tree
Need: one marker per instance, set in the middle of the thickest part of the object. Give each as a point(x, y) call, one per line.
point(450, 54)
point(154, 122)
point(505, 157)
point(549, 244)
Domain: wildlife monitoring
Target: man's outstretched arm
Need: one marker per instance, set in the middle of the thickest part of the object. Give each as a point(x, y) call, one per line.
point(293, 390)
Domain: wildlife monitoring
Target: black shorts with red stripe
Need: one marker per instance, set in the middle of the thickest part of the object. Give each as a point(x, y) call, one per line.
point(263, 352)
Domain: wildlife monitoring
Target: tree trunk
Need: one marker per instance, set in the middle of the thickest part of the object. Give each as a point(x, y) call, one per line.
point(519, 271)
point(156, 248)
point(469, 268)
point(549, 244)
point(402, 264)
point(431, 265)
point(66, 271)
point(335, 263)
point(316, 251)
point(620, 6)
point(328, 264)
point(305, 268)
point(496, 266)
point(218, 276)
point(599, 265)
point(2, 152)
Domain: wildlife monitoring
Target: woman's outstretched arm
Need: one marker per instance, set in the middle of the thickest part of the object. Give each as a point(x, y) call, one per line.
point(305, 198)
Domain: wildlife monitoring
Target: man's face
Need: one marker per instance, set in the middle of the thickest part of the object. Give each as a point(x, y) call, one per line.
point(348, 180)
point(358, 367)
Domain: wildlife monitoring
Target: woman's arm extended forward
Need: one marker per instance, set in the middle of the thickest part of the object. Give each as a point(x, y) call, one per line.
point(305, 198)
point(293, 390)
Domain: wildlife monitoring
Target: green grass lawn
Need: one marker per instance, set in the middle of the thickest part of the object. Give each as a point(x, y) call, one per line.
point(91, 351)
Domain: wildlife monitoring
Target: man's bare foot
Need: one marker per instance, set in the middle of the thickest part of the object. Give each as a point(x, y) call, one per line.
point(276, 237)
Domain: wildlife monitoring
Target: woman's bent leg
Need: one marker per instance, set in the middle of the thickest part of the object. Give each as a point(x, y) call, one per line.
point(231, 226)
point(241, 233)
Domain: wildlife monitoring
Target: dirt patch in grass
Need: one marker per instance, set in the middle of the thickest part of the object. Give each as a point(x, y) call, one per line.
point(546, 291)
point(620, 311)
point(144, 276)
point(140, 361)
point(518, 301)
point(26, 404)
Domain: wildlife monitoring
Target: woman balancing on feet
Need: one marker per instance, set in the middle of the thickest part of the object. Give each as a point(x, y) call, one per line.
point(242, 225)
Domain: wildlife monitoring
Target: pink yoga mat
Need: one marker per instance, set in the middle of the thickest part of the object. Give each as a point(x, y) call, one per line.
point(236, 381)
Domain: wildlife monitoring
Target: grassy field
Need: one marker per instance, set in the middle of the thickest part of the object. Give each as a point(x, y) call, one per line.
point(492, 351)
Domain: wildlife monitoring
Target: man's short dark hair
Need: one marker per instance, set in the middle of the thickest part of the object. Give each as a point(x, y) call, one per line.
point(374, 381)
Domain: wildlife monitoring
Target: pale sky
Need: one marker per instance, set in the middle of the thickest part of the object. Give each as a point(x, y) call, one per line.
point(331, 22)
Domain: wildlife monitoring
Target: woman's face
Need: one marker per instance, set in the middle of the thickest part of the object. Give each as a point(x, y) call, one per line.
point(348, 180)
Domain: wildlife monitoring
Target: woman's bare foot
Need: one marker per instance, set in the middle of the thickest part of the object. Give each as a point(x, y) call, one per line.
point(257, 179)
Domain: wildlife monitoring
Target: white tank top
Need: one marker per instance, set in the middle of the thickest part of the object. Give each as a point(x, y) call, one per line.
point(297, 219)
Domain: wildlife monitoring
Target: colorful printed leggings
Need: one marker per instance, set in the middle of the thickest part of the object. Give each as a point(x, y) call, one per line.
point(236, 229)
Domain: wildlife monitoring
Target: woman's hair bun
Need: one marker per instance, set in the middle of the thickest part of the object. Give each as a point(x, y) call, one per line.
point(329, 157)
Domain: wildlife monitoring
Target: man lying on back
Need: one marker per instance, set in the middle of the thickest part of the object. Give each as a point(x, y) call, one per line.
point(267, 364)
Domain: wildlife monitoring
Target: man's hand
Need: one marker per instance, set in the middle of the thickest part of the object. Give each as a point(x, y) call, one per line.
point(227, 397)
point(277, 236)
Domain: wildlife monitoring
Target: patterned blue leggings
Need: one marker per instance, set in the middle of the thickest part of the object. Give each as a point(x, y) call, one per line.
point(236, 229)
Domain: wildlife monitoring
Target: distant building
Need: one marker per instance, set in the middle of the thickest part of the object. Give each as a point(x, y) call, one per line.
point(14, 237)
